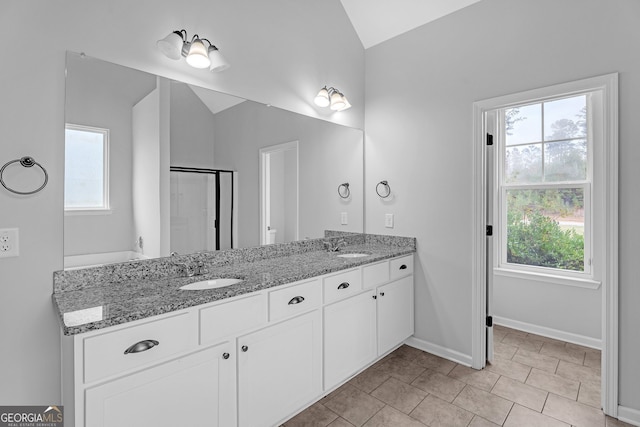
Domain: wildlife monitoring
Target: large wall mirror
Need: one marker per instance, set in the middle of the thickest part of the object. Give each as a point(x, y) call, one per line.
point(155, 166)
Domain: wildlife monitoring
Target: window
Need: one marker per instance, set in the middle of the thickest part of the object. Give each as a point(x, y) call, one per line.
point(86, 178)
point(545, 185)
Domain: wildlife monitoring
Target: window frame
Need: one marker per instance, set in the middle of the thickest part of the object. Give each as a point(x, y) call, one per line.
point(586, 278)
point(105, 208)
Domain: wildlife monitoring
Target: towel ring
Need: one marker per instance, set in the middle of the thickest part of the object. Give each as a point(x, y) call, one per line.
point(27, 162)
point(343, 190)
point(386, 190)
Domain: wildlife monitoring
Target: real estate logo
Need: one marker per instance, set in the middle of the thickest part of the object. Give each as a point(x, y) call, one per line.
point(31, 416)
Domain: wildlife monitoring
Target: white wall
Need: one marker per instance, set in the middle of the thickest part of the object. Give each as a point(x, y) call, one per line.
point(279, 51)
point(328, 155)
point(419, 135)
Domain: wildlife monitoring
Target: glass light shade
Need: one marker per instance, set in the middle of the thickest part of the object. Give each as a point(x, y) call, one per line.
point(322, 98)
point(347, 105)
point(171, 46)
point(198, 56)
point(337, 101)
point(218, 62)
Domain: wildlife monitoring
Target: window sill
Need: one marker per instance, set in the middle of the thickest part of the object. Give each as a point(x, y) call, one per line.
point(548, 278)
point(76, 212)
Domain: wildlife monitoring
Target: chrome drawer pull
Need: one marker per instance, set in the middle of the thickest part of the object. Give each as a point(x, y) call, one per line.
point(343, 285)
point(403, 267)
point(225, 355)
point(296, 300)
point(141, 346)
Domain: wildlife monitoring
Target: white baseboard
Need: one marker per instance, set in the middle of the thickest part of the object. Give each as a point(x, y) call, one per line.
point(447, 353)
point(629, 415)
point(549, 332)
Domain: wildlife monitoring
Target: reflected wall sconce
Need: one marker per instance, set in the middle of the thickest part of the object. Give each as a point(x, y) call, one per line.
point(332, 98)
point(196, 53)
point(343, 190)
point(383, 189)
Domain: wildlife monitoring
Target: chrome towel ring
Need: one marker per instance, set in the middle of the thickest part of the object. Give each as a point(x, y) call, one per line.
point(27, 162)
point(343, 190)
point(383, 189)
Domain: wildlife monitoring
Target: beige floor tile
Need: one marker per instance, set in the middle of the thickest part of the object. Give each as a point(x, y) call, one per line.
point(578, 372)
point(354, 405)
point(442, 386)
point(388, 417)
point(554, 384)
point(525, 417)
point(481, 422)
point(401, 368)
point(482, 379)
point(498, 334)
point(536, 360)
point(401, 396)
point(407, 352)
point(316, 415)
point(573, 412)
point(485, 404)
point(435, 363)
point(508, 330)
point(593, 359)
point(523, 394)
point(436, 412)
point(522, 341)
point(509, 368)
point(504, 351)
point(561, 352)
point(612, 422)
point(578, 347)
point(544, 339)
point(370, 379)
point(340, 422)
point(589, 394)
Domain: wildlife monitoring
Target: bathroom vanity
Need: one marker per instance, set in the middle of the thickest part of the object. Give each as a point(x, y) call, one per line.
point(143, 352)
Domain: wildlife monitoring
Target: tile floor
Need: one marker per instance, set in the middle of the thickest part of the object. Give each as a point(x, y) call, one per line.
point(533, 381)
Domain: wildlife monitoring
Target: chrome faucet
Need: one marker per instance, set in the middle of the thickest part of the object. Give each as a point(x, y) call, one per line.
point(330, 247)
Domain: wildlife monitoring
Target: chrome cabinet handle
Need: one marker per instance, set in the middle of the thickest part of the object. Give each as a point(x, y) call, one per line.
point(403, 267)
point(142, 346)
point(245, 348)
point(296, 300)
point(343, 285)
point(381, 294)
point(374, 296)
point(225, 355)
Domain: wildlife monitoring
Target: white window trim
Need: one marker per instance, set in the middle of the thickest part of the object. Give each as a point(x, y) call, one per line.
point(608, 85)
point(105, 209)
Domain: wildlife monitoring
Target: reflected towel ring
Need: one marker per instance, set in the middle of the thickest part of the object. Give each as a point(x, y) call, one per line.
point(27, 162)
point(343, 190)
point(386, 190)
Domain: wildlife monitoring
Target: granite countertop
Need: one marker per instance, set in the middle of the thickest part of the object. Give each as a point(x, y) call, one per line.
point(96, 307)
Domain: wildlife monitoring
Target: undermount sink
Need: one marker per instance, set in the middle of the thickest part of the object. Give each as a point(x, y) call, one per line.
point(353, 255)
point(210, 284)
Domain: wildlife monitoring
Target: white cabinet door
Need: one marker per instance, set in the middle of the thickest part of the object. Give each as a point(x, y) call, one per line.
point(190, 391)
point(395, 313)
point(349, 337)
point(279, 370)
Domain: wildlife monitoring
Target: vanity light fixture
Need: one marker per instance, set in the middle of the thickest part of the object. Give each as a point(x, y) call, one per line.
point(196, 53)
point(332, 98)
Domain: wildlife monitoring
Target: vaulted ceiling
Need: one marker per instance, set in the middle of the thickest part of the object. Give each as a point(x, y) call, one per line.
point(378, 20)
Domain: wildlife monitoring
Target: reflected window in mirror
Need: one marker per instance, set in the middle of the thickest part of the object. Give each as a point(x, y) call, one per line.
point(86, 179)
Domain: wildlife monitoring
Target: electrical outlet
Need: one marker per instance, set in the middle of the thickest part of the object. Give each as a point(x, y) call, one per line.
point(344, 218)
point(9, 243)
point(388, 220)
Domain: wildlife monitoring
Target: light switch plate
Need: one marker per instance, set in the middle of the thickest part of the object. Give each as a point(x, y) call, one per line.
point(9, 242)
point(344, 218)
point(388, 220)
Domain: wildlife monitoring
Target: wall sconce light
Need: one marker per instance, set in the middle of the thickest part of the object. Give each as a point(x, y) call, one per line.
point(175, 45)
point(332, 98)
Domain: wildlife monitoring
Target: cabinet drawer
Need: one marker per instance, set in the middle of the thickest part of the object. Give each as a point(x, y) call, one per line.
point(232, 318)
point(106, 354)
point(375, 274)
point(401, 267)
point(294, 300)
point(342, 285)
